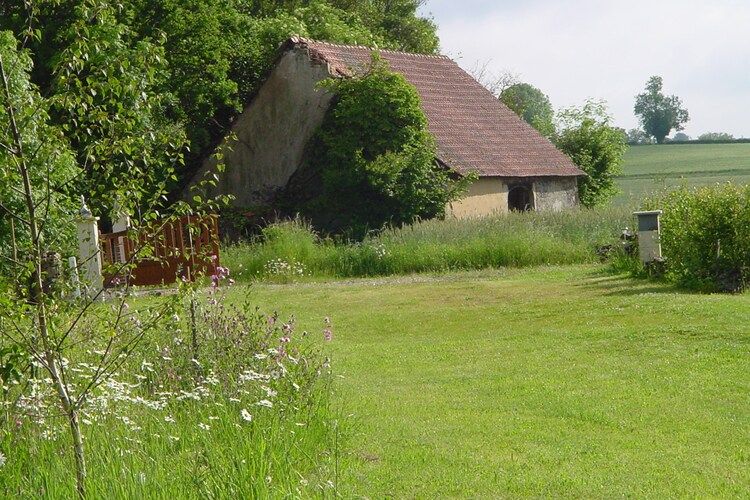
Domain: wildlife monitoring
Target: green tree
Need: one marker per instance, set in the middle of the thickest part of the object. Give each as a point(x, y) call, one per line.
point(397, 22)
point(716, 137)
point(639, 137)
point(51, 163)
point(202, 41)
point(659, 114)
point(587, 136)
point(197, 62)
point(39, 320)
point(377, 158)
point(680, 137)
point(96, 70)
point(103, 77)
point(532, 105)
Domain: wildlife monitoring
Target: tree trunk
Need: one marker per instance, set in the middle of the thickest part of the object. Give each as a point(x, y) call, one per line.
point(75, 431)
point(38, 298)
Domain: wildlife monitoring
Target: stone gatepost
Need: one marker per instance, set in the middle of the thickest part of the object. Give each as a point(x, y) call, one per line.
point(89, 251)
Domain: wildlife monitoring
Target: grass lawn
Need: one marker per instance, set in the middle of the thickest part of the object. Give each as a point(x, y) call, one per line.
point(650, 168)
point(556, 381)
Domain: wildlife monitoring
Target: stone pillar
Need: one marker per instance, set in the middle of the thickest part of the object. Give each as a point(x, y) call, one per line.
point(89, 251)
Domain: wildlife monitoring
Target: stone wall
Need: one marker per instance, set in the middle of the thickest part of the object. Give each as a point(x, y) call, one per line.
point(268, 139)
point(553, 194)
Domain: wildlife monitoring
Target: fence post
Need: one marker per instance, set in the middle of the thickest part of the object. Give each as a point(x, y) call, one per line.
point(75, 282)
point(89, 251)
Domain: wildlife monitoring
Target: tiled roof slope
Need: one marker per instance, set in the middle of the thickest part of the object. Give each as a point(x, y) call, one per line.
point(473, 129)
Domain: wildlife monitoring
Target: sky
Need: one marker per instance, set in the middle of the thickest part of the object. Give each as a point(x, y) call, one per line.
point(607, 49)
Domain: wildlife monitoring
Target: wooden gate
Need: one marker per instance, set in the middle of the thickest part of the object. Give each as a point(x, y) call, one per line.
point(182, 249)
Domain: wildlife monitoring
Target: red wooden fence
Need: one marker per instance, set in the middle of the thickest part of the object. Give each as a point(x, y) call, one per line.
point(185, 248)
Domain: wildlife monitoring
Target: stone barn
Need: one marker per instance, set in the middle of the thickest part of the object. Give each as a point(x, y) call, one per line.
point(518, 169)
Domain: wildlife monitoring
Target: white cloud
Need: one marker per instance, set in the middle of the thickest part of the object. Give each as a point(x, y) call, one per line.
point(577, 49)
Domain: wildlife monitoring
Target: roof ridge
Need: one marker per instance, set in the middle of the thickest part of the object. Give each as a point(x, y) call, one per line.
point(299, 40)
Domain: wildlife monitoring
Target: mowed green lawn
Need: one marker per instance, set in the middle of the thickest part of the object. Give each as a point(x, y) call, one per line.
point(652, 168)
point(539, 382)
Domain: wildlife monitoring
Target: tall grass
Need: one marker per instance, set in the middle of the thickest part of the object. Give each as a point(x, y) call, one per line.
point(243, 411)
point(291, 250)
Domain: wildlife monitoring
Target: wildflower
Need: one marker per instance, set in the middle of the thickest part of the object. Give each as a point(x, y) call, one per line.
point(234, 400)
point(174, 438)
point(204, 427)
point(169, 419)
point(271, 393)
point(2, 459)
point(264, 402)
point(246, 415)
point(212, 417)
point(327, 334)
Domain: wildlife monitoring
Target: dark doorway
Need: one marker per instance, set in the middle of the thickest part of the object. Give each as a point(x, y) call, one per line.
point(520, 199)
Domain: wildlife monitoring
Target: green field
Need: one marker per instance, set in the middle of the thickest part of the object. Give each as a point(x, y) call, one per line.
point(544, 382)
point(652, 168)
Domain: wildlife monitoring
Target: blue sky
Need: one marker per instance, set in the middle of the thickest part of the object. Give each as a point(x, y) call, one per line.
point(604, 49)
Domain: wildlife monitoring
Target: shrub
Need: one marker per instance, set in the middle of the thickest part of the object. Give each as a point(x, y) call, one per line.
point(376, 156)
point(706, 236)
point(587, 136)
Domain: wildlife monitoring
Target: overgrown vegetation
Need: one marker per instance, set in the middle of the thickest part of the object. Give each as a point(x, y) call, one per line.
point(175, 72)
point(706, 236)
point(291, 251)
point(53, 164)
point(67, 352)
point(220, 400)
point(376, 158)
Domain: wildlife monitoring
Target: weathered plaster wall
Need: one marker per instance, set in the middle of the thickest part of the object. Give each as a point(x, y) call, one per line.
point(271, 134)
point(553, 194)
point(486, 196)
point(489, 195)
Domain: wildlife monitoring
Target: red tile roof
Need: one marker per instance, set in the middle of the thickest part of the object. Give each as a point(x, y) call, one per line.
point(474, 130)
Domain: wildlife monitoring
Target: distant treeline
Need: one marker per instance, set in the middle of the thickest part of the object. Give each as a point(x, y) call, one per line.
point(698, 141)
